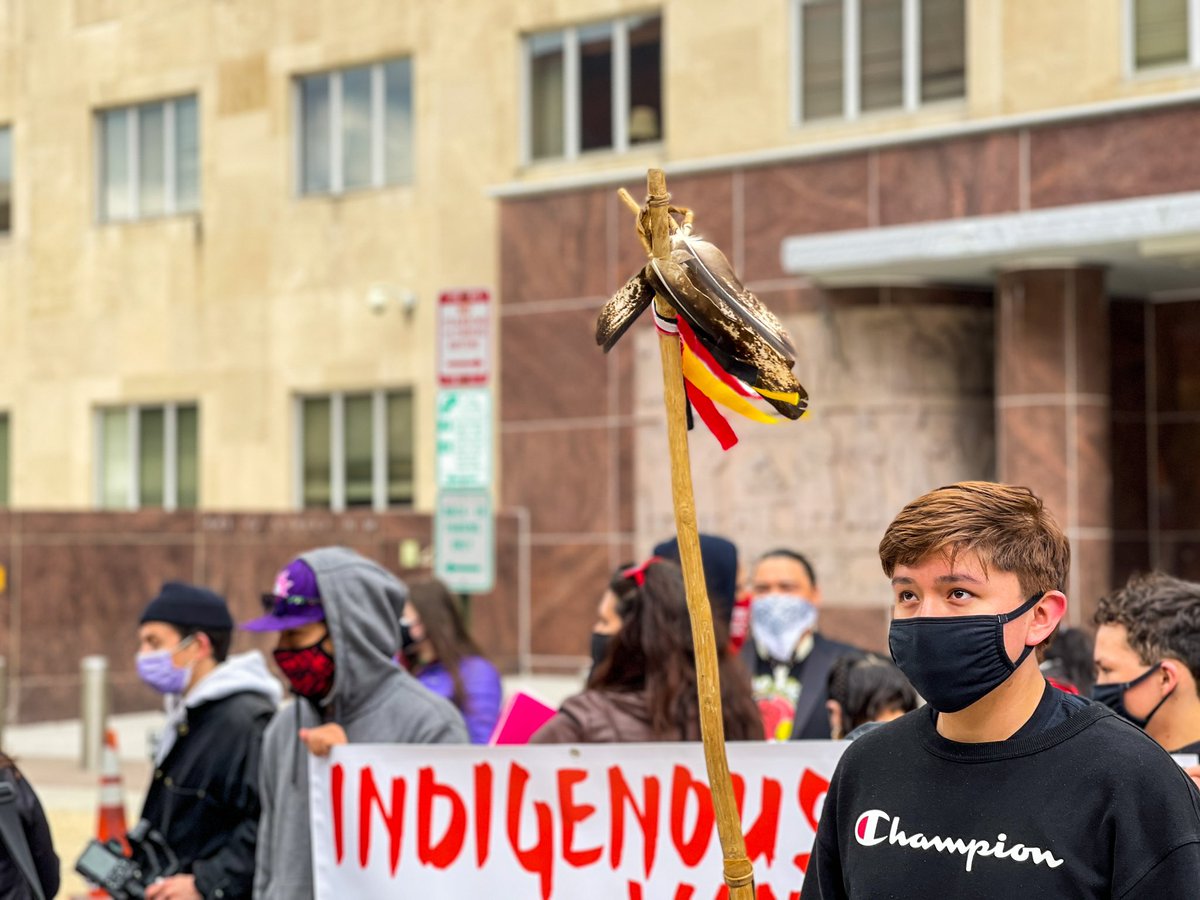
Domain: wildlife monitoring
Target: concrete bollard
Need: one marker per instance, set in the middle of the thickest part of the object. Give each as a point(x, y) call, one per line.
point(93, 709)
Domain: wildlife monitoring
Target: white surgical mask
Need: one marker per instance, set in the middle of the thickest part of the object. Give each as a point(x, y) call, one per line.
point(778, 621)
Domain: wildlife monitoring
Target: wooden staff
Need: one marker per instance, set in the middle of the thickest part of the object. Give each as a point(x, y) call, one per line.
point(739, 874)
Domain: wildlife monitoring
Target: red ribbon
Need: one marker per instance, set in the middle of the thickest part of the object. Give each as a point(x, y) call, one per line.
point(711, 416)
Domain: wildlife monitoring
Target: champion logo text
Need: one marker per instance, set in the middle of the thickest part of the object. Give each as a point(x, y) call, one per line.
point(872, 828)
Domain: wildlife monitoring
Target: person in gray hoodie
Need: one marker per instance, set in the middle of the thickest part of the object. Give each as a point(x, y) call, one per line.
point(337, 615)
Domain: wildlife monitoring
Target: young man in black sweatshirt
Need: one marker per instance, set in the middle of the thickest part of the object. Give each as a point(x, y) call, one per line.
point(1002, 787)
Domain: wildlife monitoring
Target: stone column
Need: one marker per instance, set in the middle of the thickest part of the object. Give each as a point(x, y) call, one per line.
point(1052, 411)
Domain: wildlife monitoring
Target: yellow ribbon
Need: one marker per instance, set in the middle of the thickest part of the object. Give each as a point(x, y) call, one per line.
point(792, 398)
point(713, 387)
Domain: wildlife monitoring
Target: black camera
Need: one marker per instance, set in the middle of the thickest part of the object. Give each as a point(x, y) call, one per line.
point(105, 864)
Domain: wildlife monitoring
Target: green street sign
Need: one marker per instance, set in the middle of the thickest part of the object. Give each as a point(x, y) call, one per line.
point(464, 439)
point(464, 541)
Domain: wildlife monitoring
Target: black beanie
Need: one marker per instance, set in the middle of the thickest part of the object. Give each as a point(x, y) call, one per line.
point(719, 558)
point(188, 606)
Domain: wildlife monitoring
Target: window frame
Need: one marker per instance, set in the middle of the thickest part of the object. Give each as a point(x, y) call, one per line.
point(170, 411)
point(1129, 44)
point(337, 175)
point(11, 129)
point(133, 156)
point(572, 119)
point(851, 65)
point(337, 447)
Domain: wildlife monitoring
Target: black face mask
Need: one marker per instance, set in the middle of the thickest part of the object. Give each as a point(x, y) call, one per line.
point(407, 641)
point(600, 644)
point(1113, 696)
point(953, 661)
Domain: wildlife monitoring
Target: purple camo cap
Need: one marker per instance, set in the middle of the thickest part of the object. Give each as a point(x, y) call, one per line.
point(295, 601)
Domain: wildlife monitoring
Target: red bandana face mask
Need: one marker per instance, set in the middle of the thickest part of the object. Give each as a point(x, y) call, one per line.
point(309, 670)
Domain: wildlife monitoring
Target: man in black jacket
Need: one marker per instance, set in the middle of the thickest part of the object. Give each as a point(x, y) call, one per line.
point(1003, 786)
point(788, 659)
point(204, 795)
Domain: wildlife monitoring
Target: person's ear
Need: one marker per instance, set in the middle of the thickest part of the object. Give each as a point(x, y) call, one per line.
point(1046, 616)
point(204, 647)
point(1170, 675)
point(815, 599)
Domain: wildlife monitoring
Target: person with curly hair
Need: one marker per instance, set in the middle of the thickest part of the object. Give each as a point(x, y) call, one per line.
point(1148, 657)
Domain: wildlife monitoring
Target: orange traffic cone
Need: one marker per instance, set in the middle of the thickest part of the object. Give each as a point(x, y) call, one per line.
point(110, 821)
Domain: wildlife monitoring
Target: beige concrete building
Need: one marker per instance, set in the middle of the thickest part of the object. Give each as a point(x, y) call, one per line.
point(256, 289)
point(228, 223)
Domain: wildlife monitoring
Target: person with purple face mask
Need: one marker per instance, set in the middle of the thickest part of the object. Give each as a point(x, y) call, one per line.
point(204, 794)
point(337, 615)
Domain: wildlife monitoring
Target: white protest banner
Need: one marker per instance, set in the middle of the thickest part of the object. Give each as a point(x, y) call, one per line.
point(611, 821)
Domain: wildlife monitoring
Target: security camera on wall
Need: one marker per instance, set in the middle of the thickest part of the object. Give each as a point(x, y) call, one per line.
point(377, 299)
point(380, 295)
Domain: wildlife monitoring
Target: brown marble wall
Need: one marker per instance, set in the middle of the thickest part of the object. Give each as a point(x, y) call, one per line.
point(78, 581)
point(1156, 437)
point(1175, 421)
point(1114, 158)
point(1130, 321)
point(1053, 411)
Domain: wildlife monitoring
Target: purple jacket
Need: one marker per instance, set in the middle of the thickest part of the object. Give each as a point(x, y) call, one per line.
point(481, 693)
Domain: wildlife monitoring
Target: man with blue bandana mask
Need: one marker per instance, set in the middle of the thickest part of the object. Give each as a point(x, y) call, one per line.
point(788, 659)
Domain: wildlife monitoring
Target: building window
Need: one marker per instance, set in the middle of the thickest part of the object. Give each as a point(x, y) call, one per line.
point(5, 180)
point(864, 56)
point(147, 456)
point(593, 87)
point(1164, 33)
point(149, 160)
point(356, 128)
point(355, 450)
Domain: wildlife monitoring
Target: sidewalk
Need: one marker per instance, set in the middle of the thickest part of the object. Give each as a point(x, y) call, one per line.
point(48, 754)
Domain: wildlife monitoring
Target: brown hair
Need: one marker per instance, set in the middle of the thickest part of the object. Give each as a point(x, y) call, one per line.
point(443, 624)
point(1161, 615)
point(1007, 527)
point(653, 653)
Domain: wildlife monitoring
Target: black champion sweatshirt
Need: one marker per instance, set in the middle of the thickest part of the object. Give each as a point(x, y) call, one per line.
point(1091, 808)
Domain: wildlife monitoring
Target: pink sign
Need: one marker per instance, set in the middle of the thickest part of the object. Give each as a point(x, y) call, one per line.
point(521, 718)
point(464, 337)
